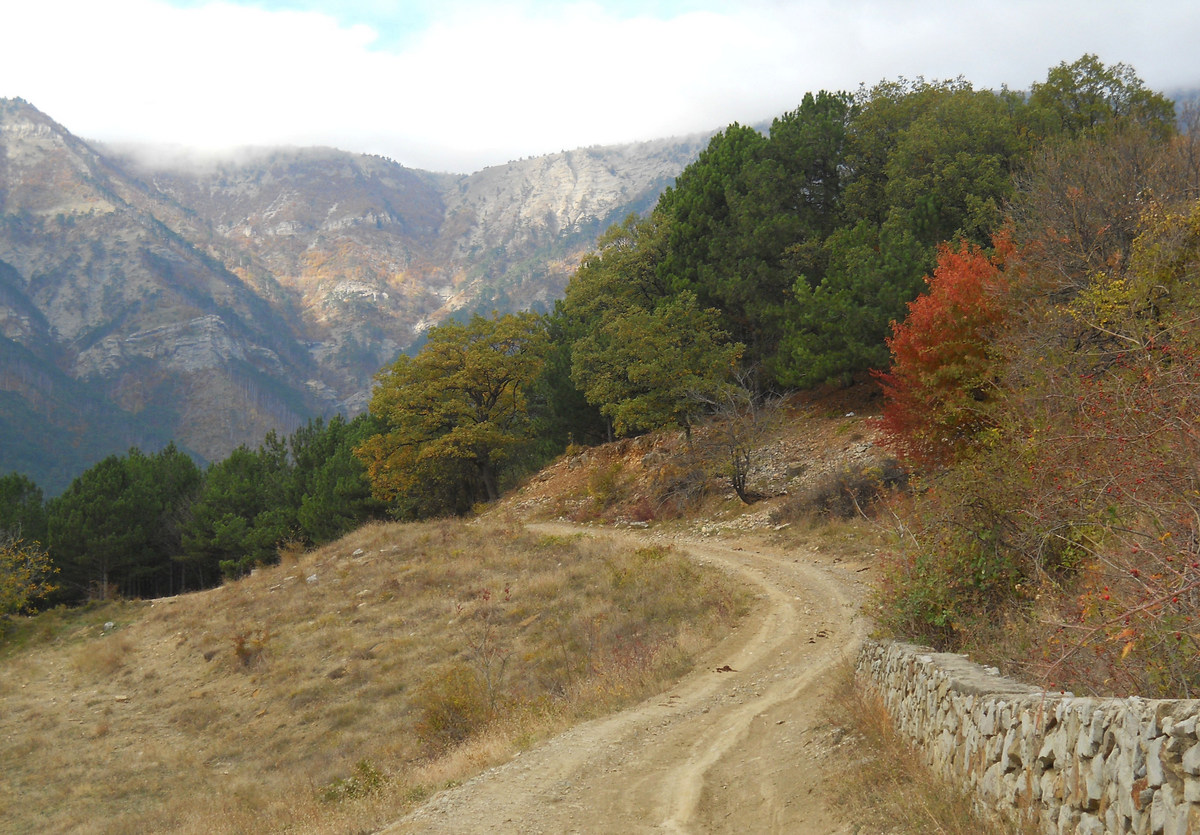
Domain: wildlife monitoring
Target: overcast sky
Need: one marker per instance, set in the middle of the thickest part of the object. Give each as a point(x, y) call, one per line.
point(456, 85)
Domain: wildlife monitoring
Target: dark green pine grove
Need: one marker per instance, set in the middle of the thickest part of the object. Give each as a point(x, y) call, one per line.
point(139, 525)
point(776, 261)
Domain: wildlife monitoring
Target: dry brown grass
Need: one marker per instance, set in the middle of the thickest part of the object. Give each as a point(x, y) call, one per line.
point(331, 692)
point(890, 790)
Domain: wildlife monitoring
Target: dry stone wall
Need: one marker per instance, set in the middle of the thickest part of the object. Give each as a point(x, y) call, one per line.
point(1075, 766)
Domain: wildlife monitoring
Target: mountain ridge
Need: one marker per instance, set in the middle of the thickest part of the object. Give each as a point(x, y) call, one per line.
point(211, 300)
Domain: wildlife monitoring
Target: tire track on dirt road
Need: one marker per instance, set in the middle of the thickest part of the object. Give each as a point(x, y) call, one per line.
point(739, 751)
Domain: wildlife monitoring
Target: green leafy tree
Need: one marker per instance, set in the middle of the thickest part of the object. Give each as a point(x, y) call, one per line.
point(795, 200)
point(702, 203)
point(620, 274)
point(561, 413)
point(454, 415)
point(22, 508)
point(791, 204)
point(26, 575)
point(118, 526)
point(705, 240)
point(100, 529)
point(799, 177)
point(751, 212)
point(733, 231)
point(1088, 96)
point(330, 487)
point(926, 163)
point(243, 513)
point(647, 369)
point(950, 169)
point(839, 326)
point(174, 481)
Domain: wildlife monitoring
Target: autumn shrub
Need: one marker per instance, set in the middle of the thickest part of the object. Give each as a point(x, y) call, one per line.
point(605, 485)
point(1122, 441)
point(26, 576)
point(942, 363)
point(1139, 596)
point(1077, 524)
point(482, 621)
point(249, 646)
point(741, 423)
point(366, 780)
point(851, 490)
point(1079, 201)
point(959, 554)
point(854, 489)
point(290, 551)
point(679, 484)
point(452, 705)
point(960, 557)
point(1073, 520)
point(642, 509)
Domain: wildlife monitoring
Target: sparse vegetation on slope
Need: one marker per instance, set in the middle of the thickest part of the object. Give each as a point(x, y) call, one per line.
point(328, 693)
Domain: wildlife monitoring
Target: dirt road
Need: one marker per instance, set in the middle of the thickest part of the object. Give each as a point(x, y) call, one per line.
point(740, 745)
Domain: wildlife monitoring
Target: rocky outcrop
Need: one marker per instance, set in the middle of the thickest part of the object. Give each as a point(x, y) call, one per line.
point(530, 202)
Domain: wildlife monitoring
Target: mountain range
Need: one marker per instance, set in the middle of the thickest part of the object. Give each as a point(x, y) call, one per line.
point(150, 295)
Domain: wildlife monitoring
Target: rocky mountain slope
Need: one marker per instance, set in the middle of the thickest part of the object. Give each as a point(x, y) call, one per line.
point(148, 295)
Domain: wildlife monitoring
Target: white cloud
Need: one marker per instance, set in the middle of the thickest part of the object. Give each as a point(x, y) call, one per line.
point(209, 76)
point(487, 81)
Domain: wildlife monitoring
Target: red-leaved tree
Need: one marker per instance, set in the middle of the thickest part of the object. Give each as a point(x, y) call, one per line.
point(940, 355)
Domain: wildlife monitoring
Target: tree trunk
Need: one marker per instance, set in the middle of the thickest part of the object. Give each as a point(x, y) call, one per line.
point(487, 474)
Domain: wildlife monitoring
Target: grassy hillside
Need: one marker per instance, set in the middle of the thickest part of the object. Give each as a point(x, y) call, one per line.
point(330, 692)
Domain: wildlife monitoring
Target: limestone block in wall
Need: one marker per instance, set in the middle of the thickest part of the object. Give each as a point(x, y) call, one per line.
point(1181, 727)
point(1163, 809)
point(1068, 821)
point(1009, 756)
point(1091, 733)
point(1131, 800)
point(1155, 775)
point(1094, 784)
point(1191, 760)
point(1051, 785)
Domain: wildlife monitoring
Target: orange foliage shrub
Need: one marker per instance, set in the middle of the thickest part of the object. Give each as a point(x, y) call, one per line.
point(940, 355)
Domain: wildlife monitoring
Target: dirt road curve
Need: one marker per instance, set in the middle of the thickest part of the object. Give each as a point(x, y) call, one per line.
point(740, 751)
